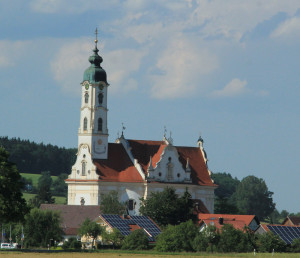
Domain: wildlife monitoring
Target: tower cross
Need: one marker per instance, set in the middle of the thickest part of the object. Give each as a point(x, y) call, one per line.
point(96, 33)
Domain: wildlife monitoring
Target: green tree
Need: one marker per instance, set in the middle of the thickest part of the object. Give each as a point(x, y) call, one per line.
point(44, 193)
point(212, 235)
point(115, 238)
point(136, 240)
point(110, 204)
point(295, 246)
point(233, 240)
point(90, 229)
point(60, 188)
point(41, 226)
point(223, 205)
point(174, 210)
point(13, 206)
point(253, 197)
point(227, 184)
point(177, 238)
point(268, 242)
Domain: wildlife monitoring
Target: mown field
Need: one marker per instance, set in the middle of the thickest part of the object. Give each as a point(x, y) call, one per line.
point(136, 254)
point(35, 179)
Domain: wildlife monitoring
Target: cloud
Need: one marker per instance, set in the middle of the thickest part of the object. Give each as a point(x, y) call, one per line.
point(234, 88)
point(181, 65)
point(71, 60)
point(121, 66)
point(64, 6)
point(11, 52)
point(69, 64)
point(289, 28)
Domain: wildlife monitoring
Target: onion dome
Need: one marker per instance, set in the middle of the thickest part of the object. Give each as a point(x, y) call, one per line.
point(95, 73)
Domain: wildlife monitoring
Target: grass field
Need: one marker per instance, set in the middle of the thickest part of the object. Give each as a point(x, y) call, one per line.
point(34, 178)
point(136, 254)
point(58, 199)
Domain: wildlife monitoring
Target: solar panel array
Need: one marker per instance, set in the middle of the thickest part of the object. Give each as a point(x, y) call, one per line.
point(123, 224)
point(286, 233)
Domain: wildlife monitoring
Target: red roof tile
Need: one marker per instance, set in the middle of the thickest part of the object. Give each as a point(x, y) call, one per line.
point(118, 167)
point(238, 221)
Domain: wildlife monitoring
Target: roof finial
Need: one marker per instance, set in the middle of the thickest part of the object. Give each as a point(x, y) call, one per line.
point(123, 129)
point(96, 40)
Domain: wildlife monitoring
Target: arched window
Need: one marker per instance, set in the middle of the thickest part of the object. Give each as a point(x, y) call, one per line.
point(83, 168)
point(100, 124)
point(86, 98)
point(85, 124)
point(100, 98)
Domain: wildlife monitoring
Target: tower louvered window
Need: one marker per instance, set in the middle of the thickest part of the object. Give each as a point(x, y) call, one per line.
point(85, 124)
point(100, 124)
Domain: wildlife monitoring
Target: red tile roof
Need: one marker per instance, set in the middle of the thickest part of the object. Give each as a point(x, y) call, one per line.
point(291, 221)
point(73, 215)
point(238, 221)
point(118, 167)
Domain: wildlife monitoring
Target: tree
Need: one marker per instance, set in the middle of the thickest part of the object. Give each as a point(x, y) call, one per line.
point(13, 206)
point(110, 204)
point(41, 226)
point(44, 188)
point(174, 209)
point(177, 238)
point(60, 188)
point(227, 184)
point(233, 240)
point(90, 229)
point(115, 238)
point(253, 197)
point(268, 242)
point(136, 240)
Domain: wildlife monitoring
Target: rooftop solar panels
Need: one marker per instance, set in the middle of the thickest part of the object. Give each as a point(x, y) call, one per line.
point(144, 222)
point(287, 234)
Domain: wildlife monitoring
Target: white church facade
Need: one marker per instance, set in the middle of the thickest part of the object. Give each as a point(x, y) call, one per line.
point(133, 168)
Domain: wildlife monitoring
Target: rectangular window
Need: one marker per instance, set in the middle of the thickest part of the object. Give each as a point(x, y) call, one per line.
point(131, 204)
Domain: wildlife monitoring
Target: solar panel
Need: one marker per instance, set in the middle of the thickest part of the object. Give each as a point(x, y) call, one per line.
point(142, 221)
point(286, 233)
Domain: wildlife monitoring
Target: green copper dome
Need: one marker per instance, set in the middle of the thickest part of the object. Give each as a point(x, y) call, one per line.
point(95, 73)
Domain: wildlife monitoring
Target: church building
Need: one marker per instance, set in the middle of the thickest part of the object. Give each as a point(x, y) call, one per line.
point(133, 168)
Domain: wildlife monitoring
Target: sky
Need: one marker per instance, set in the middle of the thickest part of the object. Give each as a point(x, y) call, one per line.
point(228, 70)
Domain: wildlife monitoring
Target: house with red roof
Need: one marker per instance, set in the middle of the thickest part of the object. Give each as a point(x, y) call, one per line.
point(291, 221)
point(237, 221)
point(133, 168)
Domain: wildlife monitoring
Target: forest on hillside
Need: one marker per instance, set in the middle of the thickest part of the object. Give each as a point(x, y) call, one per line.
point(34, 158)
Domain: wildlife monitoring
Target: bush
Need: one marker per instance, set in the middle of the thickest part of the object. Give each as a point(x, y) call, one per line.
point(268, 241)
point(233, 240)
point(137, 240)
point(295, 246)
point(177, 238)
point(71, 243)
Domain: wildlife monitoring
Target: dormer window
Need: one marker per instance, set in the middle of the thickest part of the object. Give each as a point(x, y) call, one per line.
point(100, 124)
point(100, 98)
point(86, 98)
point(85, 124)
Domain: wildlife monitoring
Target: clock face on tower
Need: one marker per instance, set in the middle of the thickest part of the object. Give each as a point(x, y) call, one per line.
point(86, 86)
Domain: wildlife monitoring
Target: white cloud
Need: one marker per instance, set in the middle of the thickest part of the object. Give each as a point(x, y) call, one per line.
point(234, 88)
point(71, 61)
point(121, 66)
point(289, 28)
point(11, 52)
point(182, 64)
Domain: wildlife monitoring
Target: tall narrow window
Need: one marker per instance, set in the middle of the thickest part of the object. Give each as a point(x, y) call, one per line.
point(86, 98)
point(100, 124)
point(85, 124)
point(100, 98)
point(83, 168)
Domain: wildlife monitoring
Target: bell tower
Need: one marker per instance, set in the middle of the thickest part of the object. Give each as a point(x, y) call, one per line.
point(93, 113)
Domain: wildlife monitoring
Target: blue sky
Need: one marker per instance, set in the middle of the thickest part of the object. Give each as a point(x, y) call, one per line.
point(226, 69)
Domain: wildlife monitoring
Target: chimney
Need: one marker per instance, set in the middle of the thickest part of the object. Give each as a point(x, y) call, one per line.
point(221, 221)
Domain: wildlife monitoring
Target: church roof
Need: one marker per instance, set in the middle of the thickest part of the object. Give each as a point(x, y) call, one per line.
point(117, 167)
point(120, 168)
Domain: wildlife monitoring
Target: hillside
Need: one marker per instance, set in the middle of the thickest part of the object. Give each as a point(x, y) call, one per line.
point(31, 157)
